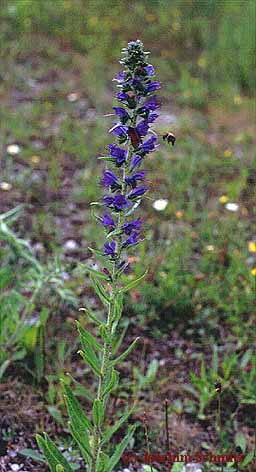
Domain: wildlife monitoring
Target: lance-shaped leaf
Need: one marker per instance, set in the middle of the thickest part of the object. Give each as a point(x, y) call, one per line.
point(134, 283)
point(120, 449)
point(104, 458)
point(125, 353)
point(113, 382)
point(80, 389)
point(81, 440)
point(52, 454)
point(117, 312)
point(104, 334)
point(74, 408)
point(93, 271)
point(107, 158)
point(112, 429)
point(94, 365)
point(98, 412)
point(99, 289)
point(91, 315)
point(87, 339)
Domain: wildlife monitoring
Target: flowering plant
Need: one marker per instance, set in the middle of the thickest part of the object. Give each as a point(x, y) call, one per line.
point(125, 183)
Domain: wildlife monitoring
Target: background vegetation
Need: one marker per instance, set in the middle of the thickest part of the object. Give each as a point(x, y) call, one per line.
point(195, 311)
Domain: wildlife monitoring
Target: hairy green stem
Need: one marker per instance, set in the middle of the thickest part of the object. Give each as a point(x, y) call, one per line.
point(107, 349)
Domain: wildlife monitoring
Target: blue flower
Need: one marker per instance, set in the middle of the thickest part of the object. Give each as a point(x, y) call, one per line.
point(109, 179)
point(149, 145)
point(110, 249)
point(118, 153)
point(120, 131)
point(107, 221)
point(122, 96)
point(152, 117)
point(151, 105)
point(122, 113)
point(137, 192)
point(137, 177)
point(150, 70)
point(131, 226)
point(118, 202)
point(153, 86)
point(142, 128)
point(120, 77)
point(133, 239)
point(127, 268)
point(136, 161)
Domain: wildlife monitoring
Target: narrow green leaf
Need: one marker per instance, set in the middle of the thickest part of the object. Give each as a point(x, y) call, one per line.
point(98, 412)
point(99, 289)
point(91, 315)
point(52, 453)
point(248, 458)
point(113, 382)
point(32, 454)
point(104, 333)
point(88, 339)
point(111, 430)
point(95, 367)
point(125, 353)
point(107, 158)
point(82, 440)
point(74, 408)
point(134, 283)
point(240, 441)
point(120, 449)
point(81, 390)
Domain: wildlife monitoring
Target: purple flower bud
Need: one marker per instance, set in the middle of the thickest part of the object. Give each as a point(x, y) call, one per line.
point(150, 70)
point(122, 113)
point(133, 239)
point(137, 177)
point(118, 202)
point(110, 249)
point(107, 220)
point(153, 86)
point(126, 270)
point(109, 179)
point(152, 117)
point(118, 153)
point(105, 271)
point(131, 226)
point(136, 161)
point(137, 192)
point(122, 96)
point(151, 105)
point(120, 77)
point(142, 128)
point(148, 145)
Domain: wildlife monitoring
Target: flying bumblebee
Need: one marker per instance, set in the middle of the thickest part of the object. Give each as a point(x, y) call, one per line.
point(170, 138)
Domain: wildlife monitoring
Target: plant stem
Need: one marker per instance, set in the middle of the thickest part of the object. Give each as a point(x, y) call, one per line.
point(107, 349)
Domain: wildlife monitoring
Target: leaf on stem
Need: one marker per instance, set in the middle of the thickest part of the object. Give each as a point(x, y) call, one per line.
point(88, 339)
point(52, 453)
point(111, 430)
point(114, 459)
point(134, 283)
point(125, 353)
point(98, 412)
point(91, 315)
point(99, 289)
point(113, 382)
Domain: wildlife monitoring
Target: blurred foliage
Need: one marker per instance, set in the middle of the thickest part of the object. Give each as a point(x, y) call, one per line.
point(212, 40)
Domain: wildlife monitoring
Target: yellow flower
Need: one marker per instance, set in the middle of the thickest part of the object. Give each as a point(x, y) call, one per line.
point(179, 214)
point(253, 271)
point(237, 100)
point(223, 199)
point(35, 159)
point(227, 153)
point(201, 62)
point(210, 247)
point(150, 18)
point(252, 246)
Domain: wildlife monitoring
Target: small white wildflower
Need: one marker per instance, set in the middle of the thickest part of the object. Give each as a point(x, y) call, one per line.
point(5, 186)
point(13, 149)
point(72, 97)
point(232, 206)
point(160, 205)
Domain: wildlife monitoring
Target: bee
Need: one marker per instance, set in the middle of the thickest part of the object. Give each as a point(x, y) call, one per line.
point(217, 386)
point(134, 137)
point(170, 138)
